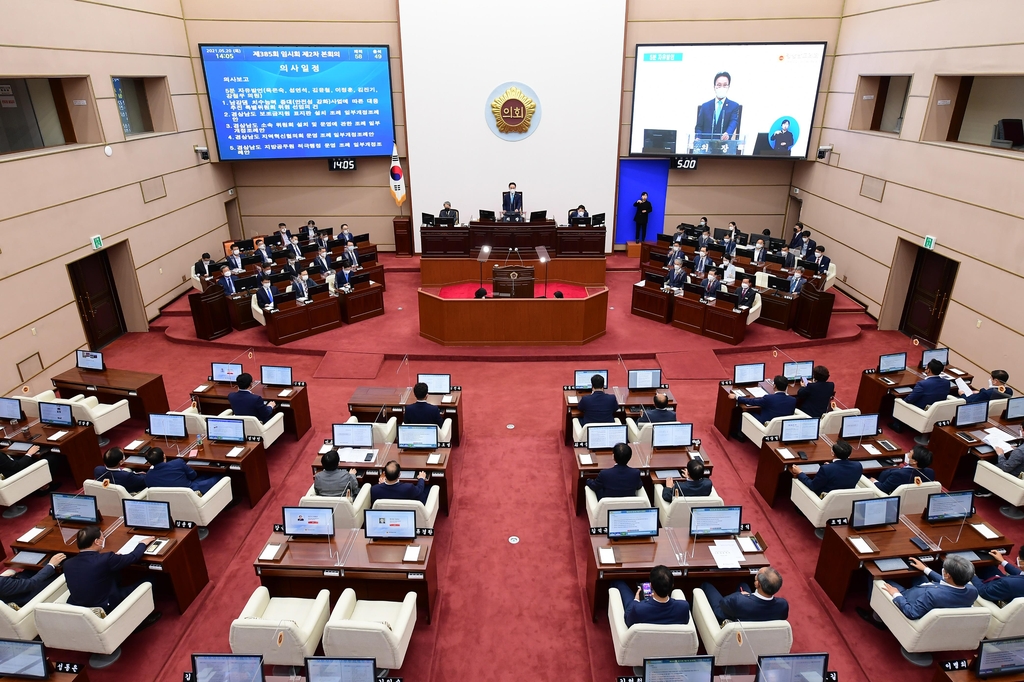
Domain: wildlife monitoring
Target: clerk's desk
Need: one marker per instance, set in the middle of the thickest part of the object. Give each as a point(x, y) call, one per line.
point(144, 391)
point(381, 403)
point(875, 395)
point(631, 404)
point(214, 399)
point(716, 319)
point(291, 320)
point(773, 479)
point(181, 563)
point(839, 561)
point(79, 447)
point(690, 561)
point(374, 569)
point(648, 460)
point(248, 471)
point(728, 411)
point(948, 449)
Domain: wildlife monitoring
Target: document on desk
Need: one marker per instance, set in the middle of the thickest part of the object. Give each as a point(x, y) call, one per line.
point(748, 545)
point(412, 553)
point(956, 371)
point(134, 445)
point(326, 448)
point(964, 388)
point(285, 393)
point(586, 459)
point(269, 552)
point(998, 438)
point(352, 455)
point(871, 449)
point(739, 392)
point(727, 553)
point(862, 546)
point(606, 554)
point(447, 400)
point(574, 400)
point(133, 542)
point(757, 392)
point(434, 458)
point(786, 454)
point(30, 535)
point(200, 388)
point(985, 531)
point(236, 451)
point(58, 435)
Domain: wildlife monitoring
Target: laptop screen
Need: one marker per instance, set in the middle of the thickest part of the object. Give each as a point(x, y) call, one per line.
point(748, 374)
point(353, 435)
point(606, 437)
point(23, 659)
point(227, 430)
point(74, 508)
point(147, 515)
point(685, 669)
point(272, 375)
point(216, 667)
point(341, 670)
point(417, 436)
point(390, 524)
point(437, 384)
point(10, 408)
point(640, 379)
point(167, 425)
point(309, 521)
point(672, 435)
point(226, 371)
point(88, 359)
point(56, 414)
point(715, 521)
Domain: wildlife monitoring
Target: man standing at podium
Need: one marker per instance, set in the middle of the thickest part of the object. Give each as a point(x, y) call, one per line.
point(512, 204)
point(718, 119)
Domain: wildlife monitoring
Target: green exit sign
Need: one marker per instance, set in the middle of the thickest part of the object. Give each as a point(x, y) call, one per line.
point(97, 242)
point(929, 242)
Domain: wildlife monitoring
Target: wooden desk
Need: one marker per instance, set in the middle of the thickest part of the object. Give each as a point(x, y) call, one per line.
point(631, 404)
point(672, 548)
point(728, 411)
point(874, 395)
point(381, 403)
point(182, 565)
point(778, 310)
point(839, 561)
point(295, 407)
point(652, 302)
point(948, 449)
point(80, 447)
point(210, 316)
point(579, 241)
point(294, 320)
point(584, 271)
point(442, 242)
point(375, 570)
point(362, 303)
point(462, 240)
point(773, 479)
point(715, 320)
point(144, 391)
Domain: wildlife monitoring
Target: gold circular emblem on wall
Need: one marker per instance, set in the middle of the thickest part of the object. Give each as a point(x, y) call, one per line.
point(513, 110)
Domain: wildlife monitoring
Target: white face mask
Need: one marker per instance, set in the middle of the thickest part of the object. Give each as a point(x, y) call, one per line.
point(990, 384)
point(206, 262)
point(236, 252)
point(678, 269)
point(266, 285)
point(745, 285)
point(806, 239)
point(906, 458)
point(295, 242)
point(304, 277)
point(721, 93)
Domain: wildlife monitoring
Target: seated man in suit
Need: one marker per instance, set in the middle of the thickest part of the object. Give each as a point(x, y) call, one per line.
point(350, 256)
point(204, 267)
point(757, 256)
point(323, 261)
point(745, 294)
point(448, 211)
point(421, 411)
point(235, 259)
point(678, 237)
point(839, 474)
point(694, 483)
point(20, 588)
point(918, 466)
point(333, 481)
point(807, 245)
point(227, 281)
point(323, 239)
point(9, 466)
point(263, 251)
point(729, 244)
point(777, 404)
point(657, 609)
point(390, 487)
point(996, 586)
point(245, 403)
point(675, 253)
point(284, 233)
point(821, 260)
point(598, 407)
point(300, 284)
point(343, 277)
point(789, 260)
point(728, 270)
point(758, 605)
point(701, 262)
point(345, 234)
point(174, 473)
point(619, 481)
point(705, 239)
point(951, 590)
point(719, 118)
point(111, 471)
point(815, 398)
point(294, 249)
point(580, 212)
point(997, 389)
point(512, 204)
point(660, 413)
point(676, 276)
point(1008, 461)
point(266, 293)
point(931, 389)
point(796, 281)
point(711, 285)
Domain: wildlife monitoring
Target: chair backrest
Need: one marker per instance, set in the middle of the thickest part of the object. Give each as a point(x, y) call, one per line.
point(679, 510)
point(761, 279)
point(1011, 129)
point(645, 433)
point(914, 496)
point(774, 427)
point(839, 503)
point(347, 513)
point(942, 410)
point(184, 501)
point(31, 405)
point(741, 645)
point(637, 501)
point(1008, 621)
point(383, 432)
point(586, 427)
point(949, 629)
point(996, 407)
point(832, 422)
point(108, 497)
point(195, 423)
point(422, 521)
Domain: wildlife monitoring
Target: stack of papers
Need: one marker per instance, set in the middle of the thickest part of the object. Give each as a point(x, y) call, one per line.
point(58, 435)
point(727, 553)
point(133, 445)
point(133, 542)
point(30, 535)
point(786, 454)
point(269, 552)
point(412, 553)
point(200, 388)
point(862, 546)
point(586, 459)
point(606, 554)
point(985, 531)
point(447, 399)
point(748, 545)
point(573, 400)
point(872, 450)
point(757, 392)
point(352, 455)
point(434, 458)
point(964, 388)
point(236, 451)
point(285, 393)
point(998, 438)
point(325, 449)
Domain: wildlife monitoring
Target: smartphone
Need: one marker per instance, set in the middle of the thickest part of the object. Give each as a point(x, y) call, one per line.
point(646, 587)
point(921, 544)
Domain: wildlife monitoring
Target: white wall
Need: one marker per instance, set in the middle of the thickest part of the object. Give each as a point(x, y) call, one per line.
point(455, 52)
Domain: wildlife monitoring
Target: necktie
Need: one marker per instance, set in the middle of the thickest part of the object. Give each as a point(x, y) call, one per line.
point(231, 286)
point(718, 111)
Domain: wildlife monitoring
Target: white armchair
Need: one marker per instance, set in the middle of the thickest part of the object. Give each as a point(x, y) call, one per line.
point(386, 432)
point(642, 640)
point(835, 504)
point(1007, 621)
point(830, 277)
point(109, 495)
point(597, 510)
point(923, 421)
point(268, 432)
point(732, 646)
point(425, 513)
point(1007, 487)
point(78, 628)
point(756, 431)
point(347, 513)
point(832, 422)
point(197, 282)
point(30, 406)
point(641, 433)
point(257, 311)
point(14, 489)
point(21, 624)
point(265, 621)
point(996, 407)
point(676, 514)
point(913, 496)
point(938, 630)
point(187, 505)
point(755, 310)
point(579, 432)
point(103, 416)
point(444, 435)
point(195, 423)
point(382, 629)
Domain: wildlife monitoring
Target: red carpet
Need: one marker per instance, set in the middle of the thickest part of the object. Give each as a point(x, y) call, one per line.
point(337, 365)
point(692, 364)
point(468, 290)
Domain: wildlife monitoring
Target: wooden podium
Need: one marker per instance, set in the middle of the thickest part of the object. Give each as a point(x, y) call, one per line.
point(813, 312)
point(512, 281)
point(210, 313)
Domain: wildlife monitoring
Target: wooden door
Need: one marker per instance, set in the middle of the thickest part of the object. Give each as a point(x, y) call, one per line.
point(928, 296)
point(96, 296)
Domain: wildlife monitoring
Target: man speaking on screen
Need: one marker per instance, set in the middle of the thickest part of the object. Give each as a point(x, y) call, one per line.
point(718, 119)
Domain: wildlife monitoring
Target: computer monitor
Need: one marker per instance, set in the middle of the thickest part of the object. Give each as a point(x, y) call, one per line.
point(799, 430)
point(1015, 408)
point(654, 278)
point(308, 522)
point(579, 221)
point(748, 374)
point(538, 216)
point(998, 657)
point(225, 430)
point(448, 221)
point(778, 283)
point(792, 668)
point(167, 425)
point(360, 278)
point(940, 354)
point(56, 414)
point(272, 375)
point(390, 524)
point(25, 660)
point(216, 667)
point(352, 435)
point(597, 219)
point(10, 408)
point(417, 436)
point(226, 371)
point(859, 426)
point(875, 513)
point(659, 141)
point(632, 523)
point(486, 216)
point(969, 415)
point(606, 437)
point(801, 369)
point(74, 508)
point(147, 515)
point(684, 669)
point(437, 384)
point(426, 219)
point(582, 377)
point(286, 296)
point(247, 283)
point(709, 522)
point(642, 379)
point(672, 435)
point(89, 359)
point(341, 669)
point(951, 506)
point(893, 362)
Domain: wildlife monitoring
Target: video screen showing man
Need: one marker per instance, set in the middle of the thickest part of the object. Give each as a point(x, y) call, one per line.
point(782, 139)
point(719, 118)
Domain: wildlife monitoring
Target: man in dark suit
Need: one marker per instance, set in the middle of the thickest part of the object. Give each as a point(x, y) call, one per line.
point(263, 251)
point(343, 276)
point(694, 483)
point(294, 249)
point(174, 473)
point(997, 389)
point(701, 262)
point(448, 211)
point(300, 284)
point(773, 405)
point(290, 268)
point(759, 252)
point(21, 588)
point(227, 280)
point(92, 575)
point(235, 259)
point(788, 259)
point(676, 276)
point(598, 407)
point(421, 411)
point(111, 471)
point(705, 239)
point(729, 244)
point(918, 466)
point(350, 256)
point(657, 609)
point(996, 586)
point(512, 203)
point(678, 237)
point(951, 590)
point(641, 216)
point(807, 245)
point(390, 487)
point(204, 267)
point(284, 233)
point(711, 284)
point(245, 403)
point(745, 294)
point(323, 240)
point(796, 281)
point(820, 259)
point(758, 605)
point(266, 293)
point(660, 413)
point(579, 212)
point(797, 239)
point(782, 140)
point(839, 474)
point(619, 481)
point(931, 389)
point(9, 466)
point(323, 261)
point(719, 118)
point(815, 398)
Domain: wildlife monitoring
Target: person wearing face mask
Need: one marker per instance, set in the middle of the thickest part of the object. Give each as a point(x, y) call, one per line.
point(796, 281)
point(266, 293)
point(228, 281)
point(321, 240)
point(807, 245)
point(677, 277)
point(788, 259)
point(92, 575)
point(345, 233)
point(294, 249)
point(300, 284)
point(729, 244)
point(204, 267)
point(997, 389)
point(674, 253)
point(284, 233)
point(728, 270)
point(235, 259)
point(745, 294)
point(711, 284)
point(719, 118)
point(702, 223)
point(343, 277)
point(996, 586)
point(323, 261)
point(290, 268)
point(759, 253)
point(701, 263)
point(917, 465)
point(797, 239)
point(820, 259)
point(350, 256)
point(815, 399)
point(679, 237)
point(705, 239)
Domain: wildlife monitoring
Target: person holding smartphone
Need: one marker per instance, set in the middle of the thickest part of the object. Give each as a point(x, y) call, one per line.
point(655, 604)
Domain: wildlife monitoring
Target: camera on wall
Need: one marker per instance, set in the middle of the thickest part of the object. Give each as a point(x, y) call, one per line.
point(203, 152)
point(824, 153)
